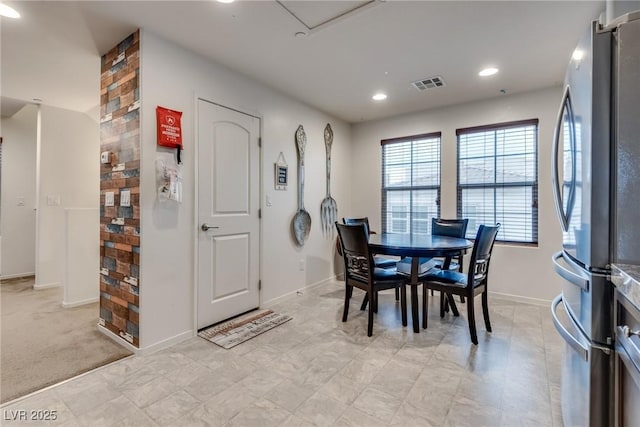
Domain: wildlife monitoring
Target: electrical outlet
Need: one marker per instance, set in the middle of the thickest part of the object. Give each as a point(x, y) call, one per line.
point(301, 264)
point(101, 321)
point(125, 198)
point(109, 198)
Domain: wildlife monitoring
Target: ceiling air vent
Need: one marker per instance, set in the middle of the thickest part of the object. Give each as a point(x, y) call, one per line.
point(429, 83)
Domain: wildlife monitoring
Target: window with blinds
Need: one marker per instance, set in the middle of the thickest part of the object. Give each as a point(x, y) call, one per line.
point(498, 179)
point(410, 183)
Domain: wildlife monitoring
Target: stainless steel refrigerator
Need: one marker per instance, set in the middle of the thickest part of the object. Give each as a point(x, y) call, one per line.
point(596, 178)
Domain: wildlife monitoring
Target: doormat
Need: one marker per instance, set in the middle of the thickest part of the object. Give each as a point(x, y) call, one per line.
point(236, 331)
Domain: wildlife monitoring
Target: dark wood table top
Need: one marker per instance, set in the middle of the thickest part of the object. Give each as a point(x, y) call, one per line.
point(417, 245)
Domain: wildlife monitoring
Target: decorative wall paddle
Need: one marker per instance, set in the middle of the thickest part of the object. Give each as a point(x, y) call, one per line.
point(328, 207)
point(301, 223)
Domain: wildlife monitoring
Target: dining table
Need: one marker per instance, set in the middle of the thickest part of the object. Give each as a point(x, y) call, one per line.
point(416, 246)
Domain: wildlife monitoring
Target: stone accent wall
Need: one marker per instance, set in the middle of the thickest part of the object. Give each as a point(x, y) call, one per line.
point(120, 225)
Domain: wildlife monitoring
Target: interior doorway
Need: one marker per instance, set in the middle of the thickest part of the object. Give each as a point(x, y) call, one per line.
point(228, 213)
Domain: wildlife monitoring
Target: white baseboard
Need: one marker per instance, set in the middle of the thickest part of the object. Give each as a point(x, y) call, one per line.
point(118, 340)
point(47, 285)
point(521, 299)
point(17, 276)
point(79, 303)
point(294, 293)
point(167, 343)
point(149, 349)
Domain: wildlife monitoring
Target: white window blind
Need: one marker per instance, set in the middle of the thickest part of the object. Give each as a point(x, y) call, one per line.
point(410, 183)
point(498, 179)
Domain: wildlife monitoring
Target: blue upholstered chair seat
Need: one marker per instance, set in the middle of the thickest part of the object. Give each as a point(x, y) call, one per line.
point(379, 274)
point(384, 262)
point(452, 266)
point(451, 278)
point(446, 276)
point(385, 273)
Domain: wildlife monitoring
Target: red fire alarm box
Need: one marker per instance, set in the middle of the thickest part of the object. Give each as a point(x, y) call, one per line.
point(169, 128)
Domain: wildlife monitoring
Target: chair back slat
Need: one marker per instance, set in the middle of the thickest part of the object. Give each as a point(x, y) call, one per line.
point(481, 254)
point(449, 227)
point(481, 268)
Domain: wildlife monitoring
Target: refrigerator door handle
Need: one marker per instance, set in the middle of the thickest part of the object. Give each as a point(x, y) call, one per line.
point(570, 276)
point(555, 176)
point(566, 335)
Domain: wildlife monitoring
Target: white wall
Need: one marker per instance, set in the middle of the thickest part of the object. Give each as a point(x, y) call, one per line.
point(173, 77)
point(69, 170)
point(19, 181)
point(515, 270)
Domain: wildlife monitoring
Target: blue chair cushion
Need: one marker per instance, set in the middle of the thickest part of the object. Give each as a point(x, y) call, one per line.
point(424, 265)
point(446, 276)
point(452, 266)
point(384, 262)
point(385, 273)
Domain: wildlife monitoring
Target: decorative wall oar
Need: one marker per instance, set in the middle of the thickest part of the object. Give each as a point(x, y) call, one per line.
point(328, 207)
point(302, 220)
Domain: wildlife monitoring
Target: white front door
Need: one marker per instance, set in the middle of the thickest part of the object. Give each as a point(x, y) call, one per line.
point(228, 205)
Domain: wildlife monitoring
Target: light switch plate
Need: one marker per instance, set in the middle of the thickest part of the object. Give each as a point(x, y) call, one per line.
point(108, 198)
point(125, 198)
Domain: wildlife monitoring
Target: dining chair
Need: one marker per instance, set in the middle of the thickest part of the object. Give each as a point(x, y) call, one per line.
point(380, 261)
point(469, 285)
point(360, 272)
point(451, 228)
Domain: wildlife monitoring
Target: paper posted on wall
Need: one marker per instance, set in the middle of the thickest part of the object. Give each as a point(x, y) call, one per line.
point(169, 180)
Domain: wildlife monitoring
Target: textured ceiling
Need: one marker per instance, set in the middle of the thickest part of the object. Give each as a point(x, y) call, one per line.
point(53, 52)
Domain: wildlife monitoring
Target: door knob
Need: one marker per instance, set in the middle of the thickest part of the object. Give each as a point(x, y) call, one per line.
point(206, 227)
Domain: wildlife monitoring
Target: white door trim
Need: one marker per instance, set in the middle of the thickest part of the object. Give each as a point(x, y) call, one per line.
point(196, 218)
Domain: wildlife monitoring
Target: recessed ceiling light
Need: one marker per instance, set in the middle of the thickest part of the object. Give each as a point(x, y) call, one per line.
point(225, 1)
point(488, 72)
point(379, 96)
point(9, 12)
point(300, 34)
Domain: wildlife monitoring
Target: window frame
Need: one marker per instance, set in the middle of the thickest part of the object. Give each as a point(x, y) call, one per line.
point(410, 188)
point(495, 185)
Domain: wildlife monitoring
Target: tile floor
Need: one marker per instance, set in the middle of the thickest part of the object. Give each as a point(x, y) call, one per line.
point(316, 370)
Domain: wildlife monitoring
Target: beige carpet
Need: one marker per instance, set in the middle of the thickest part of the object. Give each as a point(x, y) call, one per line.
point(42, 343)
